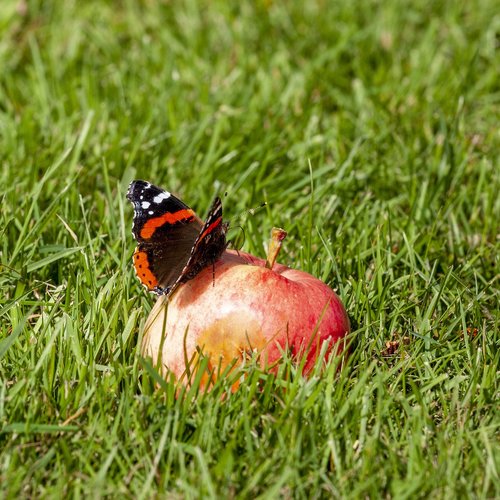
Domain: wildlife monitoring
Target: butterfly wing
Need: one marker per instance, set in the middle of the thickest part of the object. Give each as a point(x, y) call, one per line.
point(166, 231)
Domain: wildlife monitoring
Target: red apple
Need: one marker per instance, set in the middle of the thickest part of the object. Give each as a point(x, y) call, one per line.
point(244, 307)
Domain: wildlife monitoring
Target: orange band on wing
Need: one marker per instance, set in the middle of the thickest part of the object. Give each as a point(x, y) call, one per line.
point(170, 218)
point(142, 270)
point(210, 228)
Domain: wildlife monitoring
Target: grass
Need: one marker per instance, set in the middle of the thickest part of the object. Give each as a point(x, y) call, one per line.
point(370, 128)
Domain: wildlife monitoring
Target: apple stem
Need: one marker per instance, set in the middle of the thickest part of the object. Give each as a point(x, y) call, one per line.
point(277, 237)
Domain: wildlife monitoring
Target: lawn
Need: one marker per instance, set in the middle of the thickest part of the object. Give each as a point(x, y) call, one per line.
point(370, 129)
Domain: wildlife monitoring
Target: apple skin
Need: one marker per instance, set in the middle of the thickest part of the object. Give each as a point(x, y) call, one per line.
point(245, 308)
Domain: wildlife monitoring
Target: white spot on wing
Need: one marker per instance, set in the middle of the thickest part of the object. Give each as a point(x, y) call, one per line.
point(145, 204)
point(162, 196)
point(150, 212)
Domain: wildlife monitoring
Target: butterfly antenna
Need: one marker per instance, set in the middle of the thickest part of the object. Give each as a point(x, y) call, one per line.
point(250, 211)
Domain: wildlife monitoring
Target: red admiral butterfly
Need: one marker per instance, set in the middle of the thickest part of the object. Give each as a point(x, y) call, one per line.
point(173, 243)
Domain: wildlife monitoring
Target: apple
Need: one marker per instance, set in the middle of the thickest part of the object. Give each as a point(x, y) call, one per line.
point(243, 305)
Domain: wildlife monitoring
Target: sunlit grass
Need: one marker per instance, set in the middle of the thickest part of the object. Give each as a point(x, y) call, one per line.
point(370, 129)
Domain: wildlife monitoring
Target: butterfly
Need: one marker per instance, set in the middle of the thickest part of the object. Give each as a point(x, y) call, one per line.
point(173, 243)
